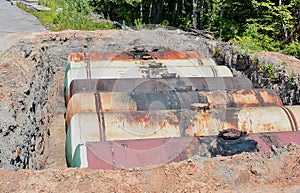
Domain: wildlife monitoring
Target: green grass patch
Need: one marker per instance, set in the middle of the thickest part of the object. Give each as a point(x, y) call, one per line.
point(75, 16)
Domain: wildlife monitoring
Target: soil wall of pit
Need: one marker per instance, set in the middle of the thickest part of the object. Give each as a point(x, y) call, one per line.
point(32, 76)
point(265, 69)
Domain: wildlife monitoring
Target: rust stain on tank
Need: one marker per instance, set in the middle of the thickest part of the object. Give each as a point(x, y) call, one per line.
point(242, 98)
point(147, 85)
point(100, 56)
point(137, 117)
point(130, 56)
point(257, 97)
point(175, 55)
point(268, 127)
point(271, 95)
point(243, 128)
point(147, 118)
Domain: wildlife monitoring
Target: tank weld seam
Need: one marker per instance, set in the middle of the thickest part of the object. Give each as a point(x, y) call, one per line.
point(291, 118)
point(113, 161)
point(87, 66)
point(214, 71)
point(102, 118)
point(259, 98)
point(98, 111)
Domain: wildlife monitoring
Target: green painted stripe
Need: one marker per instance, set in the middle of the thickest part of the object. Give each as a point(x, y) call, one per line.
point(66, 87)
point(68, 148)
point(68, 67)
point(76, 159)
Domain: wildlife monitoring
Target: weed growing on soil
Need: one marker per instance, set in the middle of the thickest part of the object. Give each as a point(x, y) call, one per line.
point(73, 15)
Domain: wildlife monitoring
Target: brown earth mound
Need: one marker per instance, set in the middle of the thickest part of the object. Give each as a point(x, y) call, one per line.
point(278, 171)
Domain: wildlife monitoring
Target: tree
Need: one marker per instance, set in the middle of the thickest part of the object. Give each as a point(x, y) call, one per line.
point(194, 14)
point(275, 20)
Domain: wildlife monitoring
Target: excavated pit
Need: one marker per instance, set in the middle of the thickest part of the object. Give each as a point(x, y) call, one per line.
point(32, 71)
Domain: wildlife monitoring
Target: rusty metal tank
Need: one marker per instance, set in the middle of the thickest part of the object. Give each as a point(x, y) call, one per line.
point(132, 64)
point(241, 98)
point(181, 134)
point(122, 154)
point(155, 71)
point(139, 64)
point(168, 100)
point(179, 123)
point(149, 85)
point(134, 55)
point(131, 59)
point(140, 109)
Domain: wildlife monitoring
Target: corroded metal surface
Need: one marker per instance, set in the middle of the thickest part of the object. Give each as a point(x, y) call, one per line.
point(95, 102)
point(128, 60)
point(139, 109)
point(242, 98)
point(100, 56)
point(177, 123)
point(153, 152)
point(140, 153)
point(132, 64)
point(151, 85)
point(158, 72)
point(169, 99)
point(294, 116)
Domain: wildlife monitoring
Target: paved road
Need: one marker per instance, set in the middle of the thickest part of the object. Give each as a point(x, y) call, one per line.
point(14, 24)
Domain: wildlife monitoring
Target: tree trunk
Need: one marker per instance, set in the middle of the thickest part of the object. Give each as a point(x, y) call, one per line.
point(194, 15)
point(221, 14)
point(150, 11)
point(283, 25)
point(170, 16)
point(176, 13)
point(141, 11)
point(157, 10)
point(222, 8)
point(201, 14)
point(183, 8)
point(211, 18)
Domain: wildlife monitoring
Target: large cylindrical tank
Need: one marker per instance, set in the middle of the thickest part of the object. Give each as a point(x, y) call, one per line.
point(170, 105)
point(131, 59)
point(131, 56)
point(147, 72)
point(154, 152)
point(176, 123)
point(132, 64)
point(168, 100)
point(130, 153)
point(150, 85)
point(105, 128)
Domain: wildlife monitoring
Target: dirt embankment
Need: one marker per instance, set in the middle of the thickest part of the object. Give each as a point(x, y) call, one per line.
point(265, 69)
point(32, 109)
point(278, 171)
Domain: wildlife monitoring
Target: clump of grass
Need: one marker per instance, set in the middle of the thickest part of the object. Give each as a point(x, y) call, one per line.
point(74, 15)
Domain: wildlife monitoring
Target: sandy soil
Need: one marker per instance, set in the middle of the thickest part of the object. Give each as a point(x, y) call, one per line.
point(278, 171)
